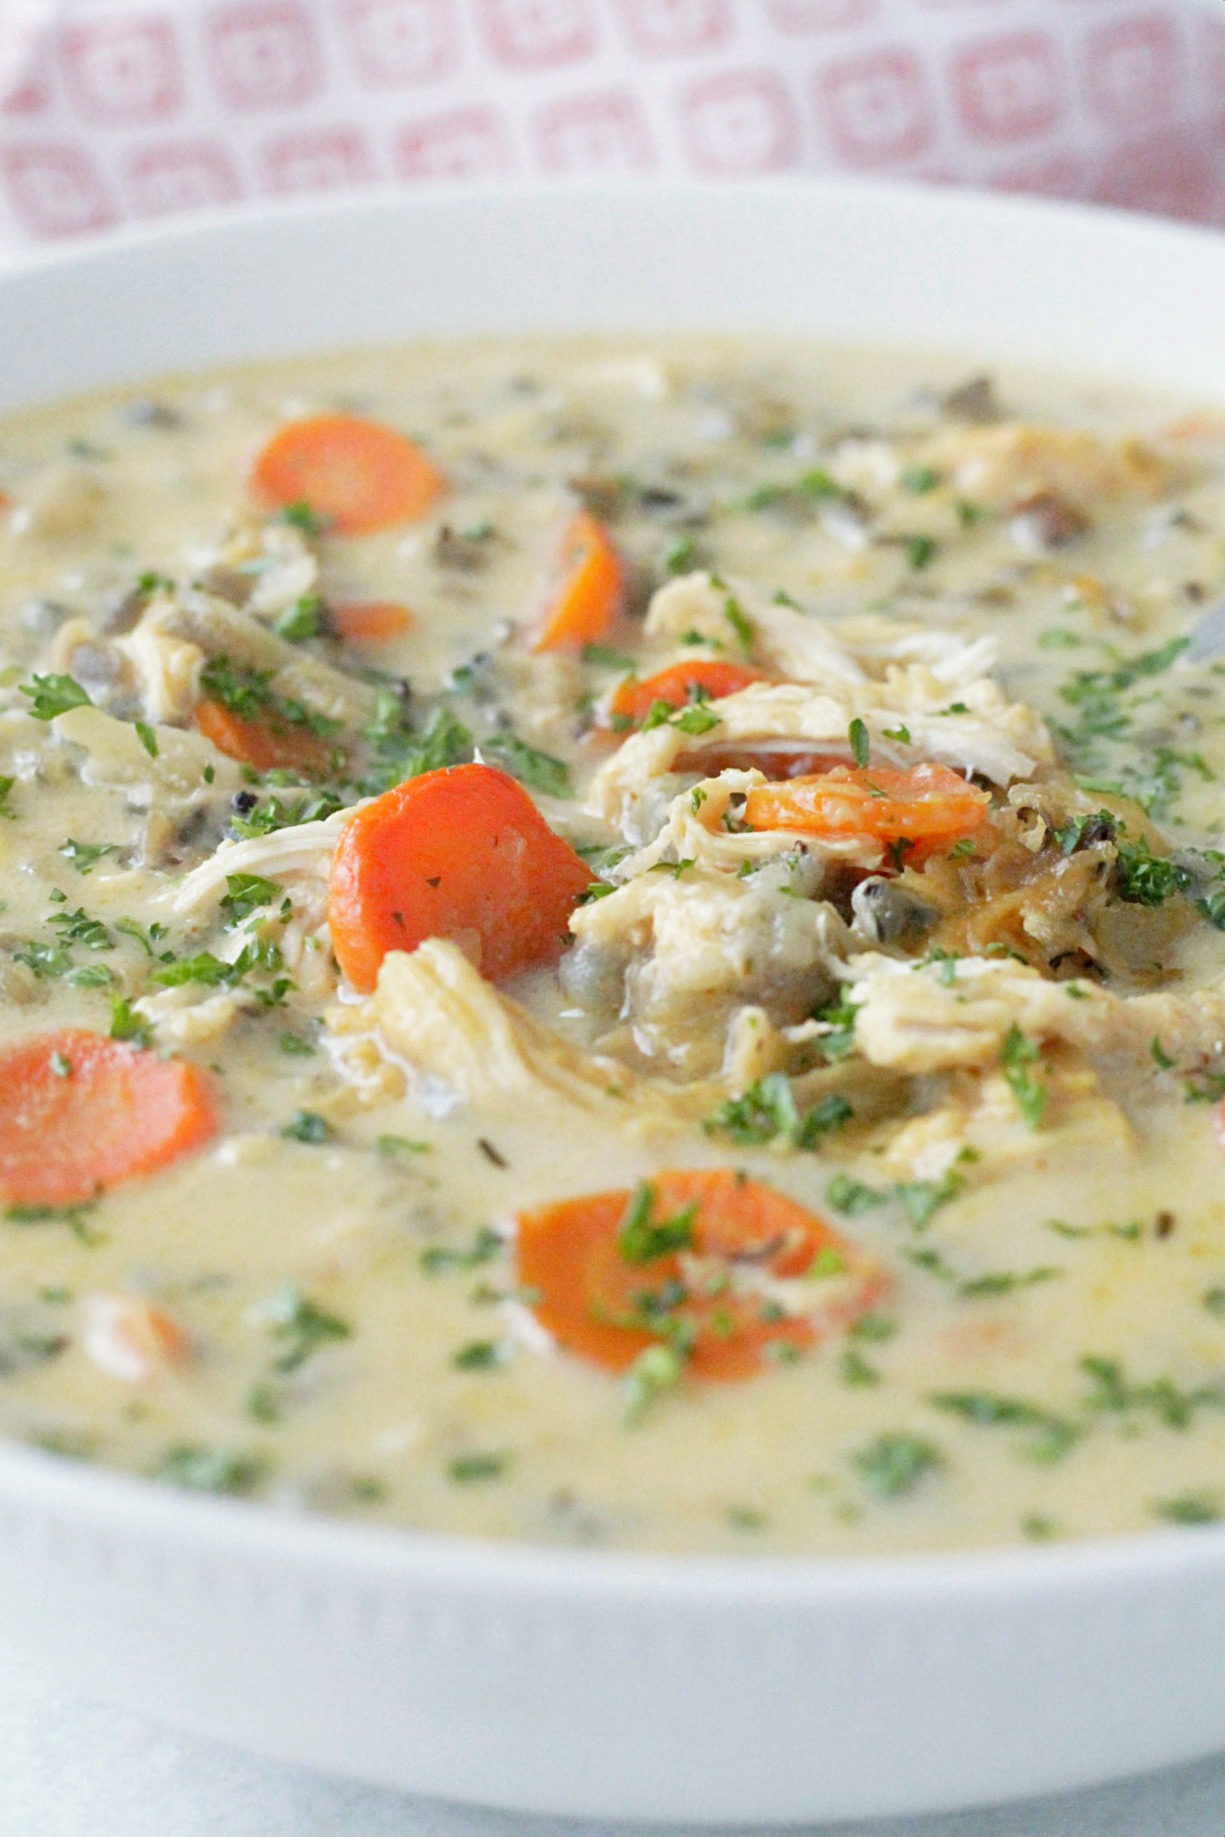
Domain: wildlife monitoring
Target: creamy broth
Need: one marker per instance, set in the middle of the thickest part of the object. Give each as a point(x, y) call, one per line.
point(994, 1076)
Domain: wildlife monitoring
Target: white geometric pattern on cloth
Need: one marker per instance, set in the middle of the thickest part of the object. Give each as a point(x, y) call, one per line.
point(113, 110)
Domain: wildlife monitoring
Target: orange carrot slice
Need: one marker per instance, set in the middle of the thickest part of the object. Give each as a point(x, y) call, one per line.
point(459, 853)
point(267, 745)
point(929, 806)
point(603, 1299)
point(372, 621)
point(358, 474)
point(80, 1112)
point(588, 601)
point(633, 700)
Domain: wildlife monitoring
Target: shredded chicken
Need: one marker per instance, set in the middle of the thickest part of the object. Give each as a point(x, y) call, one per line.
point(696, 947)
point(930, 1017)
point(299, 853)
point(1007, 464)
point(465, 1042)
point(174, 775)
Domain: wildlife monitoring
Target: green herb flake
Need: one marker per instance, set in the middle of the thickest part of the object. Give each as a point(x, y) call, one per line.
point(921, 551)
point(1114, 1392)
point(538, 771)
point(443, 1259)
point(893, 1465)
point(302, 516)
point(127, 1024)
point(740, 622)
point(247, 893)
point(852, 1197)
point(466, 1469)
point(148, 738)
point(1054, 1434)
point(203, 1469)
point(479, 1355)
point(919, 480)
point(306, 618)
point(860, 743)
point(640, 1239)
point(1190, 1509)
point(856, 1371)
point(86, 855)
point(653, 1374)
point(302, 1324)
point(1017, 1058)
point(308, 1126)
point(53, 695)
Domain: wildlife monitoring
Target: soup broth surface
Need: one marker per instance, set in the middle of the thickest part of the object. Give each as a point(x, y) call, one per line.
point(902, 898)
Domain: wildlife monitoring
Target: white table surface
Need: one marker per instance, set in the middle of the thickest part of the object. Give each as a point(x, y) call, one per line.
point(73, 1769)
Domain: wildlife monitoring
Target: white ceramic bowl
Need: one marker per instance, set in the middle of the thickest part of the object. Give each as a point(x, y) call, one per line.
point(622, 1686)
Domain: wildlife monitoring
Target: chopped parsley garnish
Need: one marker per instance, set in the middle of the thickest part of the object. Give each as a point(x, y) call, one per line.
point(306, 618)
point(851, 1197)
point(1053, 1435)
point(1190, 1509)
point(308, 1126)
point(210, 1470)
point(127, 1024)
point(302, 1325)
point(860, 743)
point(441, 1259)
point(148, 738)
point(74, 1217)
point(479, 1355)
point(302, 517)
point(739, 621)
point(921, 551)
point(1018, 1056)
point(893, 1465)
point(653, 1374)
point(52, 695)
point(85, 855)
point(1114, 1391)
point(919, 480)
point(768, 1110)
point(640, 1239)
point(1145, 879)
point(538, 771)
point(466, 1468)
point(247, 893)
point(249, 696)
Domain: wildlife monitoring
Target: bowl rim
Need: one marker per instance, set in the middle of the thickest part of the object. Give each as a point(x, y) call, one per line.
point(47, 1482)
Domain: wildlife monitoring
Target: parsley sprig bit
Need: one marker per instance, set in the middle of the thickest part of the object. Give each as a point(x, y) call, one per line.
point(302, 1325)
point(767, 1111)
point(642, 1239)
point(1018, 1056)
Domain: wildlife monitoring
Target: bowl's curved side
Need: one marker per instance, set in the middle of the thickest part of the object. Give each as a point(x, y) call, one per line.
point(856, 260)
point(622, 1687)
point(618, 1687)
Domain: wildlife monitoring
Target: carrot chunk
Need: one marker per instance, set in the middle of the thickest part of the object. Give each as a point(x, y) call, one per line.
point(372, 621)
point(588, 600)
point(633, 700)
point(929, 806)
point(688, 1260)
point(358, 474)
point(268, 745)
point(459, 853)
point(80, 1112)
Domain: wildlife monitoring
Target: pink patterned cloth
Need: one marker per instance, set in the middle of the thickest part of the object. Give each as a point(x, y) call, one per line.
point(113, 110)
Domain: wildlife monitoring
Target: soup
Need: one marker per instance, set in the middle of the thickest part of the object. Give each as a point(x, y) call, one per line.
point(619, 943)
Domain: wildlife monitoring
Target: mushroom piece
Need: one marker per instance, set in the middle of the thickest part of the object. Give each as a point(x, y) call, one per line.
point(888, 914)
